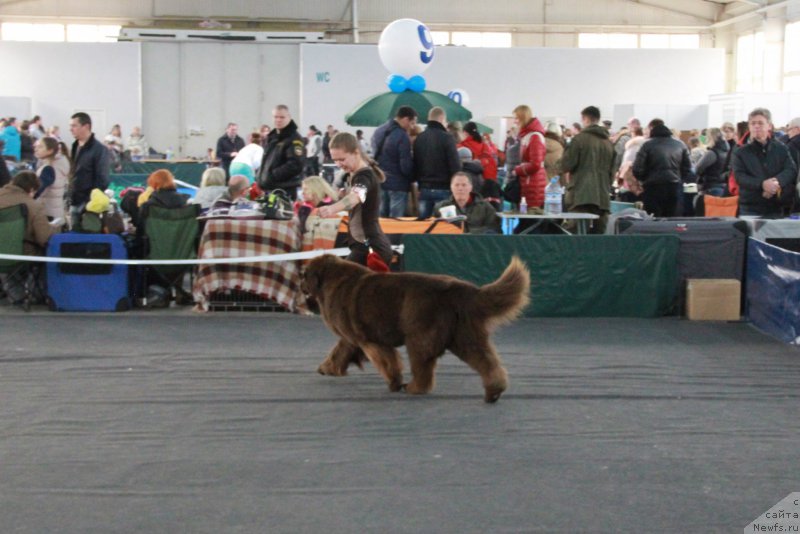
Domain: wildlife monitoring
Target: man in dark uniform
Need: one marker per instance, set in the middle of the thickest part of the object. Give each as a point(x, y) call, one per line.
point(284, 155)
point(229, 145)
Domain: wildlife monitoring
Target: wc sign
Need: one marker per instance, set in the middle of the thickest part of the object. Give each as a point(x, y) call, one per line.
point(324, 77)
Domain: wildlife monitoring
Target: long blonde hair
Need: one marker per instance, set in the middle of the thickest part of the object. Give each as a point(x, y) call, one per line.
point(319, 187)
point(348, 142)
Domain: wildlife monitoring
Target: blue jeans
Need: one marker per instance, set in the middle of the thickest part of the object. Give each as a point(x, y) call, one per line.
point(429, 197)
point(393, 203)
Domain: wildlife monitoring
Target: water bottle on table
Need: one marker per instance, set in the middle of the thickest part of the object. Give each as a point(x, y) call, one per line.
point(523, 205)
point(553, 198)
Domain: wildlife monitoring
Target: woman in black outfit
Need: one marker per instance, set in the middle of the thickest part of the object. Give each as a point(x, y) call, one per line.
point(361, 200)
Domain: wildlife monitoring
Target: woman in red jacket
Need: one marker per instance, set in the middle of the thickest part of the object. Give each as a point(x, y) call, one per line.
point(480, 150)
point(530, 172)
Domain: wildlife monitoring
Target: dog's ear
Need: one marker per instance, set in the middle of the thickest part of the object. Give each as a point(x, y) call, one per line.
point(312, 278)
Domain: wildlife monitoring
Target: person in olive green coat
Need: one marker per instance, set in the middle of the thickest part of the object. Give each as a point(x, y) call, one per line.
point(589, 160)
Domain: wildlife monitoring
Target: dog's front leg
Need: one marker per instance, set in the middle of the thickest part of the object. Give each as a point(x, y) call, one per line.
point(340, 357)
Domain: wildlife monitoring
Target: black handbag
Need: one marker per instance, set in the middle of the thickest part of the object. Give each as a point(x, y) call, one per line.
point(277, 205)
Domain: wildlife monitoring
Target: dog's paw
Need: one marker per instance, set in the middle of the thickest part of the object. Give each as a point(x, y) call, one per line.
point(413, 389)
point(493, 393)
point(328, 368)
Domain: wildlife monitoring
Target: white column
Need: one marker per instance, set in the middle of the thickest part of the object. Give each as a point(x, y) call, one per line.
point(774, 29)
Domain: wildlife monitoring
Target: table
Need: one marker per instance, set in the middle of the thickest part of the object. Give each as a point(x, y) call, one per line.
point(232, 238)
point(189, 171)
point(581, 218)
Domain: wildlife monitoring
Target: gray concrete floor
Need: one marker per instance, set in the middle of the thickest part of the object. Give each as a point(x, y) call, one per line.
point(171, 421)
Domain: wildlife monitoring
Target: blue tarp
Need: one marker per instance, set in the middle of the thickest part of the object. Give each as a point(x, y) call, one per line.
point(773, 290)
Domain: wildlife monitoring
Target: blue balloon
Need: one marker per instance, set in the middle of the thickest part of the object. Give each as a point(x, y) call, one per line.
point(396, 83)
point(416, 83)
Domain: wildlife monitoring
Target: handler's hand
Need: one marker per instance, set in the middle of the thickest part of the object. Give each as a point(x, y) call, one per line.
point(325, 212)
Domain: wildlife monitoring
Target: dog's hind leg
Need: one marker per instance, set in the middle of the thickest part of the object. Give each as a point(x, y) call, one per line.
point(387, 361)
point(340, 357)
point(482, 357)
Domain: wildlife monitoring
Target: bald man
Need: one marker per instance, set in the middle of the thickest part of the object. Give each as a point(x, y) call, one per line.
point(238, 186)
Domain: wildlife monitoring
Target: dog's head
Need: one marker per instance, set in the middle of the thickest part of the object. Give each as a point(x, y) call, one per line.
point(326, 271)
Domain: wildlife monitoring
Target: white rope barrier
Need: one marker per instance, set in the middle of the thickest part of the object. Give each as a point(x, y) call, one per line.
point(293, 256)
point(269, 258)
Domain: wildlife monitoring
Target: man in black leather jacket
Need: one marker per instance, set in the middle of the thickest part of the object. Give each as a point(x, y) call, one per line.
point(284, 155)
point(764, 170)
point(661, 166)
point(90, 165)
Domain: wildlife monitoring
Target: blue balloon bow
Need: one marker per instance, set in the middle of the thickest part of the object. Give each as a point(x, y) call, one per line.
point(398, 84)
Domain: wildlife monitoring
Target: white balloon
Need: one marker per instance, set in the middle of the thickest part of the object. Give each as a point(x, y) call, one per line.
point(406, 47)
point(459, 96)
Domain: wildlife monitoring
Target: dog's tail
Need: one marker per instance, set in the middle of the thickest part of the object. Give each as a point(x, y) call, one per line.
point(503, 300)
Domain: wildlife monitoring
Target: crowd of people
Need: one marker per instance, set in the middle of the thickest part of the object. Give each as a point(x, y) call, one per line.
point(404, 170)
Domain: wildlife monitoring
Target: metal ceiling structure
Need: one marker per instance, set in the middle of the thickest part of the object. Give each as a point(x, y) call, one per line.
point(341, 16)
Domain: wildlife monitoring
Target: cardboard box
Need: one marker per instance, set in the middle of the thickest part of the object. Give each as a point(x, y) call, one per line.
point(713, 299)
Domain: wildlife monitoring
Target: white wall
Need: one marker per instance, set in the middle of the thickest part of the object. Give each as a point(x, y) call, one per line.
point(192, 90)
point(102, 79)
point(172, 88)
point(734, 107)
point(554, 82)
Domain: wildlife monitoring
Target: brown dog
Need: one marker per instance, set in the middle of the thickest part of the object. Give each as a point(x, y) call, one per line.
point(373, 313)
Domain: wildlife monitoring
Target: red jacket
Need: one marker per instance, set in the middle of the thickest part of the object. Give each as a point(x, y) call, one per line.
point(530, 172)
point(483, 153)
point(733, 185)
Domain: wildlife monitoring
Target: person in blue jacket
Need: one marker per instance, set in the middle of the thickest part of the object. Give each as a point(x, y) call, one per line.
point(10, 134)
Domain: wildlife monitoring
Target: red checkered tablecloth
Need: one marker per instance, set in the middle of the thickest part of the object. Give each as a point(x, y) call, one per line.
point(231, 238)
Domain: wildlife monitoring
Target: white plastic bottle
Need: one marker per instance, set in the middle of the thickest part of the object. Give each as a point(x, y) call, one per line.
point(523, 205)
point(552, 198)
point(169, 154)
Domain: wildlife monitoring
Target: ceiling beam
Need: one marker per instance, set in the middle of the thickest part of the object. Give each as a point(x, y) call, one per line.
point(656, 5)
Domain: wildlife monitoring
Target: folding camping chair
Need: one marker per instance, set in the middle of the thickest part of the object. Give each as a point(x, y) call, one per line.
point(13, 221)
point(720, 206)
point(172, 234)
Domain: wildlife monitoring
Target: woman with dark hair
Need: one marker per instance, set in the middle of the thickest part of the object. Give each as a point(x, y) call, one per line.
point(26, 142)
point(53, 171)
point(480, 150)
point(362, 199)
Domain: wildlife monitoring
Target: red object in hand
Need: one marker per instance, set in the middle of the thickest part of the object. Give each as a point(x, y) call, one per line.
point(255, 191)
point(376, 263)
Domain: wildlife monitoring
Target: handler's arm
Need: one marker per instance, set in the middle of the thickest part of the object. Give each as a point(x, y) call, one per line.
point(346, 203)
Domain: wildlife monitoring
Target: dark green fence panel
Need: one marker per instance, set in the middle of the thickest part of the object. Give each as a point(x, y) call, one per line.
point(571, 276)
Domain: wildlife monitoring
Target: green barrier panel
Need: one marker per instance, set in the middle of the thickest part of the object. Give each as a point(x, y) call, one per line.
point(571, 276)
point(120, 182)
point(190, 171)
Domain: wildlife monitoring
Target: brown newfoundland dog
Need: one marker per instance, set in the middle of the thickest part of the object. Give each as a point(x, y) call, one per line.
point(373, 313)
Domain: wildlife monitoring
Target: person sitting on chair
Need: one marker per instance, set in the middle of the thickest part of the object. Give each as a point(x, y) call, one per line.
point(164, 195)
point(212, 185)
point(23, 186)
point(37, 230)
point(316, 192)
point(481, 216)
point(238, 186)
